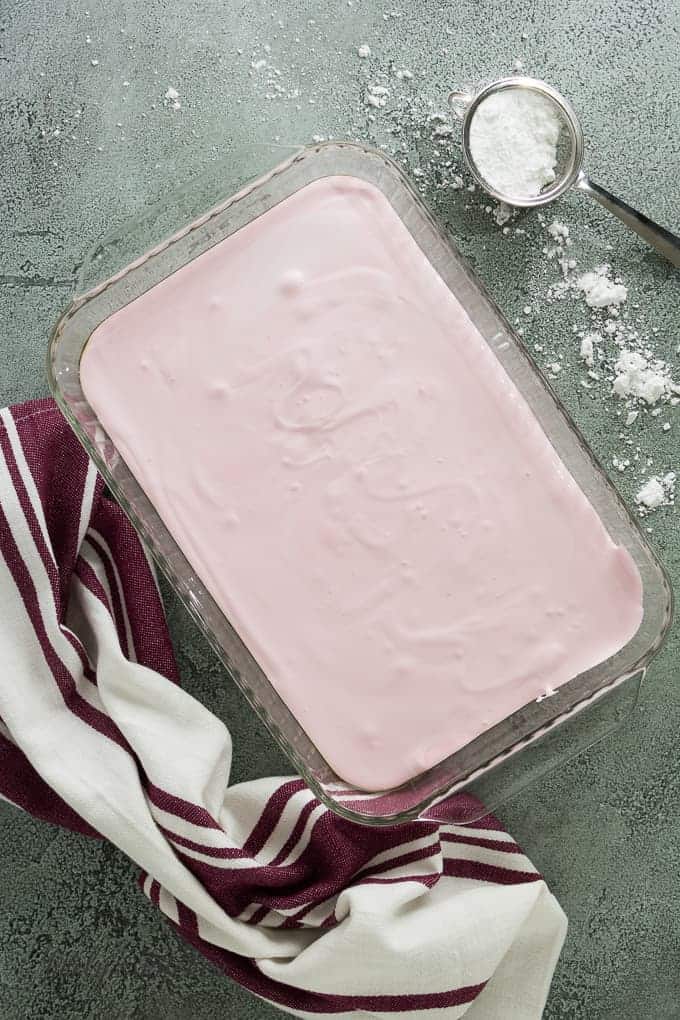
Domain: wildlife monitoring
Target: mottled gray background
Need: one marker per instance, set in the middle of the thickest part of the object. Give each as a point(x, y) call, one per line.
point(77, 939)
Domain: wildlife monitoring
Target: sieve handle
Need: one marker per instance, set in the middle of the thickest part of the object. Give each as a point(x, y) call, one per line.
point(663, 240)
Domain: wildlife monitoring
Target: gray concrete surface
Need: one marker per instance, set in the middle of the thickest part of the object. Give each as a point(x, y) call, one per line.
point(77, 940)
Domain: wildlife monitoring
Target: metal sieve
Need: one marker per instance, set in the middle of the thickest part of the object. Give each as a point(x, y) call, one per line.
point(569, 172)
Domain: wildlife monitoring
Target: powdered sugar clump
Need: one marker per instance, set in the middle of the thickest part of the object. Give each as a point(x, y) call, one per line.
point(364, 51)
point(587, 351)
point(600, 290)
point(659, 490)
point(171, 99)
point(636, 377)
point(502, 213)
point(559, 231)
point(377, 95)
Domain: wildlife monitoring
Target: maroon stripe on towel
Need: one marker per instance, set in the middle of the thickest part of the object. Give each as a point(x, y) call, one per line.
point(116, 603)
point(295, 920)
point(296, 832)
point(149, 628)
point(40, 544)
point(59, 467)
point(428, 880)
point(504, 846)
point(88, 672)
point(220, 852)
point(457, 868)
point(187, 919)
point(192, 813)
point(31, 518)
point(21, 784)
point(248, 974)
point(90, 581)
point(62, 677)
point(259, 915)
point(270, 816)
point(421, 854)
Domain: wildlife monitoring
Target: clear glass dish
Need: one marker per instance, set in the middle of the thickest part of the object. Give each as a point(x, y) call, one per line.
point(528, 743)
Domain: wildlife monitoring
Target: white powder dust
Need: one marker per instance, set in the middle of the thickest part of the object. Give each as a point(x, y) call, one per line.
point(588, 349)
point(637, 378)
point(502, 213)
point(377, 96)
point(659, 490)
point(364, 51)
point(171, 99)
point(513, 141)
point(559, 232)
point(600, 290)
point(619, 352)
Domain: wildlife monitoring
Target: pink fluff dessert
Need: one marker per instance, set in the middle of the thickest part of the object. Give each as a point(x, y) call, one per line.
point(359, 484)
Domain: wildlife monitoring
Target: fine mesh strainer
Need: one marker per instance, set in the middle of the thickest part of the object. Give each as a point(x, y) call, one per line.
point(569, 172)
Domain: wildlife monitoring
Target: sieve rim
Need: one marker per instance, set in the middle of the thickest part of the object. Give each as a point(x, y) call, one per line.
point(572, 122)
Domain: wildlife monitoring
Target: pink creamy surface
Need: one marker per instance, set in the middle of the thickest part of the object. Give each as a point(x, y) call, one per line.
point(359, 484)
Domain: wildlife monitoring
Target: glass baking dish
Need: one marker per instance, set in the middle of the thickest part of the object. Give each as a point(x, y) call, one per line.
point(534, 739)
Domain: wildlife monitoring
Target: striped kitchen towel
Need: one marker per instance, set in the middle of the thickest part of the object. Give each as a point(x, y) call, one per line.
point(307, 910)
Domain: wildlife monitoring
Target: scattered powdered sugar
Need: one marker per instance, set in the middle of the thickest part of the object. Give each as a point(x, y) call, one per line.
point(641, 379)
point(600, 290)
point(377, 95)
point(502, 212)
point(171, 99)
point(513, 141)
point(559, 232)
point(659, 490)
point(587, 349)
point(620, 356)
